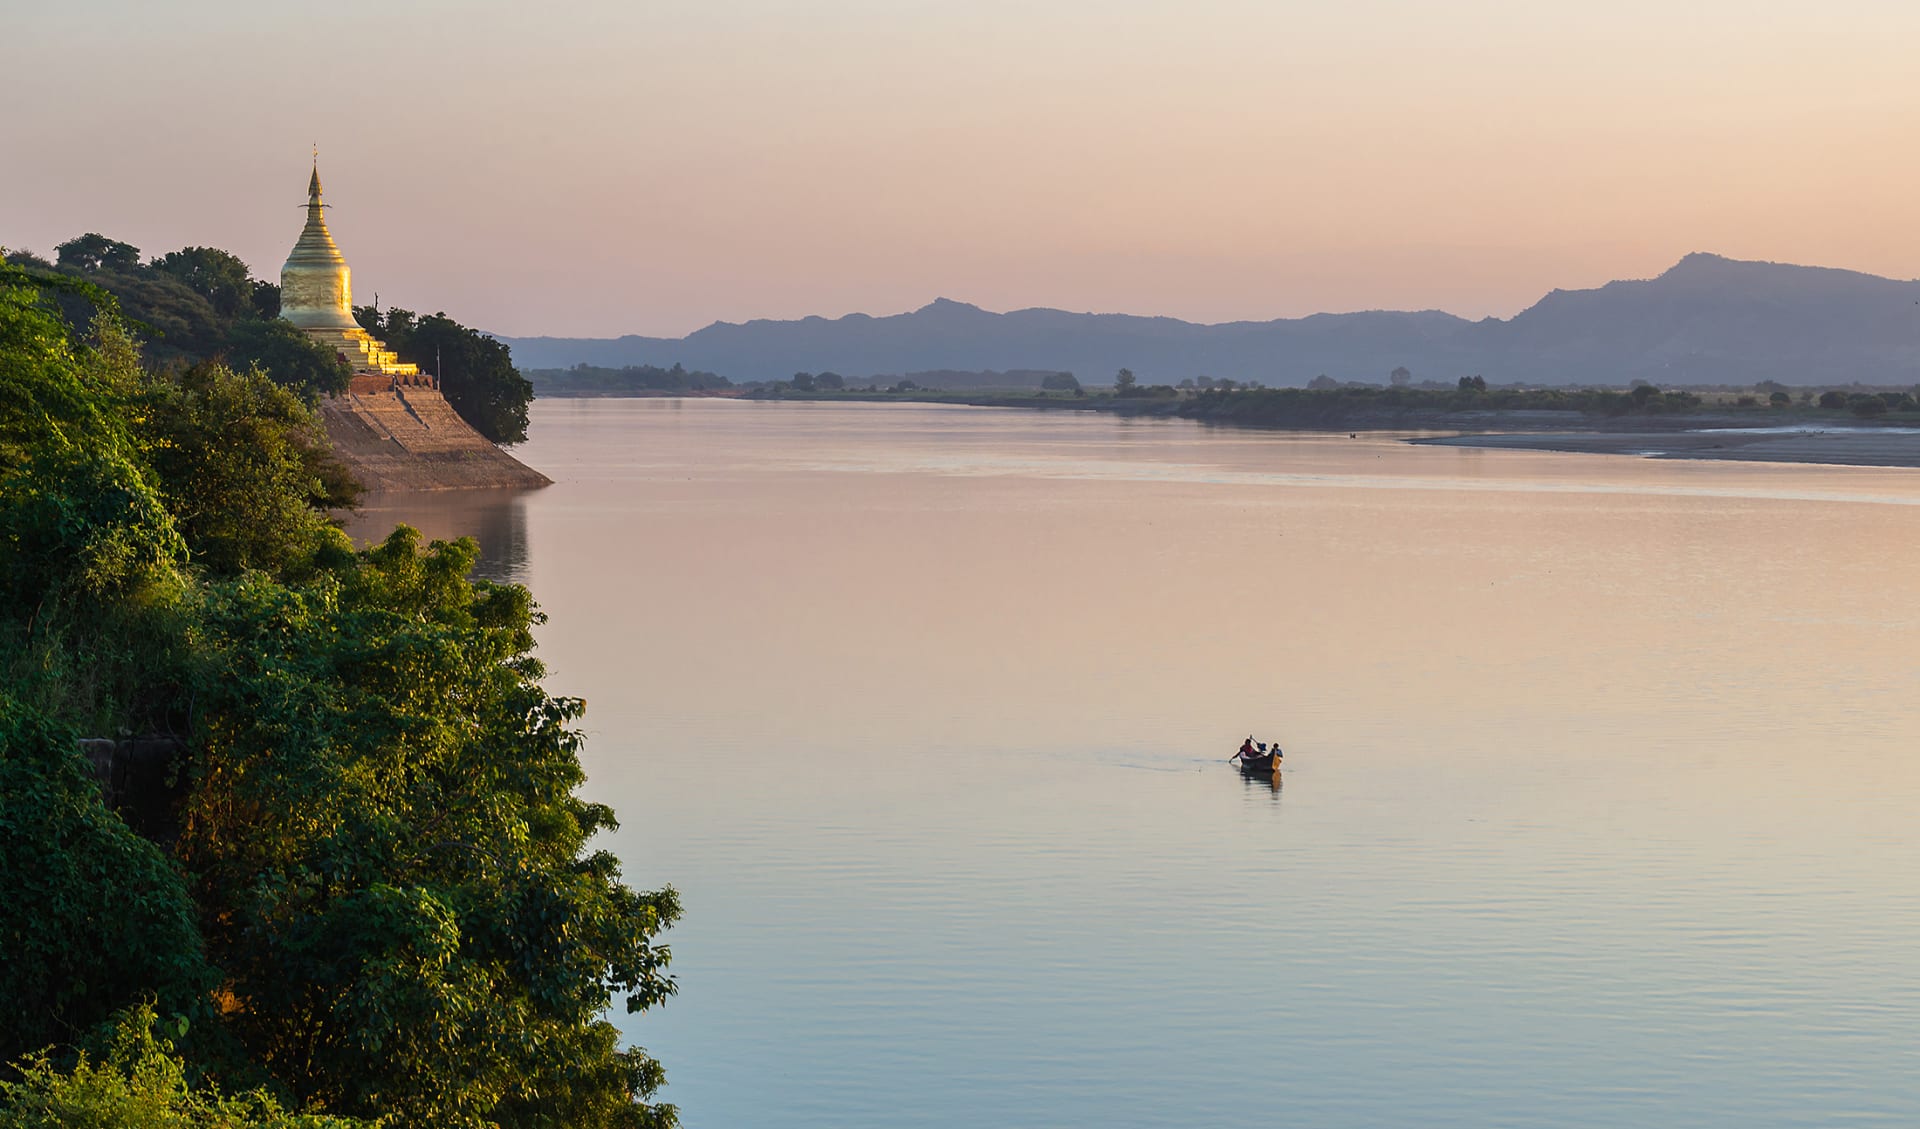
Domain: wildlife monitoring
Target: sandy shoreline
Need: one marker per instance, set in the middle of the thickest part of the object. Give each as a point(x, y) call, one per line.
point(1873, 447)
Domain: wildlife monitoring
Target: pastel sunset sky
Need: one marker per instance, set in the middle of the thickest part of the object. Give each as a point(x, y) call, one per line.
point(598, 167)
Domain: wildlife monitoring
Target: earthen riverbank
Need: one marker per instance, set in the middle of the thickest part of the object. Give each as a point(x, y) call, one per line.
point(411, 439)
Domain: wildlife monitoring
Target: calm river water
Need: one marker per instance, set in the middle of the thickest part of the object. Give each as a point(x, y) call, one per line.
point(1599, 807)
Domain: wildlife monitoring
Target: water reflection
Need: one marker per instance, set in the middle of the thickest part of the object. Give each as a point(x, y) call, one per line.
point(1263, 781)
point(497, 519)
point(1606, 818)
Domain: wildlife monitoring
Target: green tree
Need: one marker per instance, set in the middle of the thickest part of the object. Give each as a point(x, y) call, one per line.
point(266, 299)
point(1123, 381)
point(216, 275)
point(49, 399)
point(1059, 382)
point(25, 259)
point(90, 563)
point(393, 860)
point(243, 466)
point(93, 251)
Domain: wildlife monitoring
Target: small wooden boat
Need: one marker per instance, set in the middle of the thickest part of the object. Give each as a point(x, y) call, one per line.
point(1259, 764)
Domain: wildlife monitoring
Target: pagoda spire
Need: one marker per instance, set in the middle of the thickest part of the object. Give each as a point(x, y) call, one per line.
point(316, 294)
point(315, 285)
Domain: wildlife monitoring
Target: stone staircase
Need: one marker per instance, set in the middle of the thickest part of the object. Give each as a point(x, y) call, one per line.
point(364, 352)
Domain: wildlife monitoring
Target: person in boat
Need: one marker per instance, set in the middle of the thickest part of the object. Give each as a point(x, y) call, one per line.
point(1246, 746)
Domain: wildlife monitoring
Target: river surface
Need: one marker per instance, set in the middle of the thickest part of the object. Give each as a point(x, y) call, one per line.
point(1599, 806)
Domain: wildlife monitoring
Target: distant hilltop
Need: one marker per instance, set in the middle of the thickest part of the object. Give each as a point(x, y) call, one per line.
point(1706, 320)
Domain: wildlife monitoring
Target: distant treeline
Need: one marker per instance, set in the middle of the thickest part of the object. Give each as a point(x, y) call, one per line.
point(933, 380)
point(1331, 405)
point(1308, 406)
point(632, 380)
point(1361, 405)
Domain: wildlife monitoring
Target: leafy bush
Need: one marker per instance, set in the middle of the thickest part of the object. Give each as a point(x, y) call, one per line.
point(243, 466)
point(138, 1083)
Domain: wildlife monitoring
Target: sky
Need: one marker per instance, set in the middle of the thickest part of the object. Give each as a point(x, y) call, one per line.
point(596, 168)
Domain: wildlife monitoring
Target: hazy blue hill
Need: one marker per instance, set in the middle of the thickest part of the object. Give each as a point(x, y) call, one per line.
point(955, 336)
point(1708, 319)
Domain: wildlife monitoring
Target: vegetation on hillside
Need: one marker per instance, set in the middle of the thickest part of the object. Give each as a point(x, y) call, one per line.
point(374, 896)
point(191, 306)
point(200, 304)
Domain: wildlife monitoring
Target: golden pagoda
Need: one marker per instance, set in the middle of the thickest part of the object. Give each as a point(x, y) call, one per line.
point(316, 294)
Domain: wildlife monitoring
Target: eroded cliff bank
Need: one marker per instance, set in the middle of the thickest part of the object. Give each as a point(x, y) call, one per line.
point(410, 438)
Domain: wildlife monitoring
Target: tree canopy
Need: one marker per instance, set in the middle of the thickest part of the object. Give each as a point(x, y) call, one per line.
point(191, 306)
point(380, 899)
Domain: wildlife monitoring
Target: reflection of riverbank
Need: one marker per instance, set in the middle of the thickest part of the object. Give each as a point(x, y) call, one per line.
point(1879, 447)
point(497, 519)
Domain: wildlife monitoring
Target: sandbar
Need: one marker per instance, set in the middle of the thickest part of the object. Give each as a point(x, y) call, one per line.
point(1865, 446)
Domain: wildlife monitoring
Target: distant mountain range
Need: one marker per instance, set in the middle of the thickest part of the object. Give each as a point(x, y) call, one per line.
point(1707, 320)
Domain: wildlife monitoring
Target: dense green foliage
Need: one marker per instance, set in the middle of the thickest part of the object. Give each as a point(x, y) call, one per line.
point(386, 814)
point(381, 901)
point(243, 466)
point(193, 306)
point(475, 371)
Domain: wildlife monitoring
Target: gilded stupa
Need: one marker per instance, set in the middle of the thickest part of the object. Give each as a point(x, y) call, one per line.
point(316, 294)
